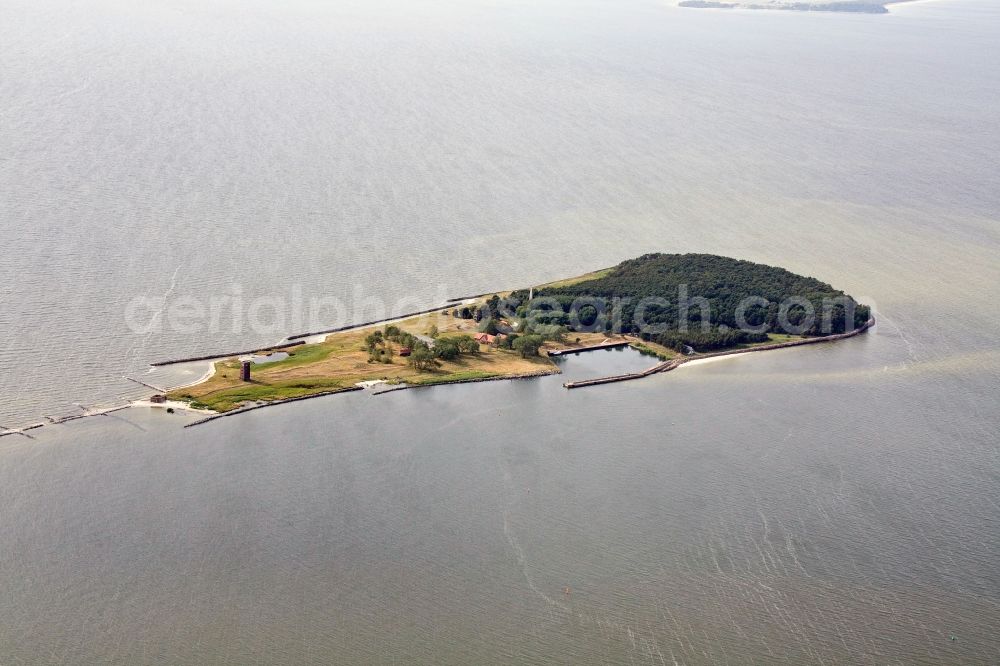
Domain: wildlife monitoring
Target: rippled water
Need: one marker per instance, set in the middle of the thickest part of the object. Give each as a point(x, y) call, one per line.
point(357, 150)
point(802, 506)
point(831, 504)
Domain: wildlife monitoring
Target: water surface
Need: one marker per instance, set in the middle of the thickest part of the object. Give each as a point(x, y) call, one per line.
point(826, 504)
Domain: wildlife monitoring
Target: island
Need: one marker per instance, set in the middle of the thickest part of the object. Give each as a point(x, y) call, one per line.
point(673, 307)
point(854, 6)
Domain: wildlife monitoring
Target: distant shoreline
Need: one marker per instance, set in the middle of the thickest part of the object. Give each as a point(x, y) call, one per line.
point(842, 7)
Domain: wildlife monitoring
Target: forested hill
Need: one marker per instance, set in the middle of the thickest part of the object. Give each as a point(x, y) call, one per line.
point(724, 282)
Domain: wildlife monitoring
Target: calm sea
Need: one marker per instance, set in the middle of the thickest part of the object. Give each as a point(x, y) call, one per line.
point(835, 504)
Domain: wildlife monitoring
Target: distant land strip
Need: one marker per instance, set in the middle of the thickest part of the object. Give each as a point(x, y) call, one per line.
point(849, 7)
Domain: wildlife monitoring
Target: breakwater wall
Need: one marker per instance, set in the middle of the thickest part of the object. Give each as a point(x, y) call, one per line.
point(469, 298)
point(667, 366)
point(102, 411)
point(210, 357)
point(297, 339)
point(603, 345)
point(20, 431)
point(339, 329)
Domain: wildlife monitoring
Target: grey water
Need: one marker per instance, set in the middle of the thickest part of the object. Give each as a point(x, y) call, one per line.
point(833, 504)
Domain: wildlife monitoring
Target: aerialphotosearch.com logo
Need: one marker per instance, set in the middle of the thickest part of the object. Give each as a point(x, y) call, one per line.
point(232, 312)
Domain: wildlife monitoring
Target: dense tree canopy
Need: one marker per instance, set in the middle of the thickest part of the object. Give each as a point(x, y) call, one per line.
point(662, 294)
point(528, 345)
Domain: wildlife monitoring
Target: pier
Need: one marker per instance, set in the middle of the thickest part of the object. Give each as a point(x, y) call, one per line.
point(663, 366)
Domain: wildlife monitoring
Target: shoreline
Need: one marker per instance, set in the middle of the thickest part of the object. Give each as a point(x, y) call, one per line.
point(291, 341)
point(175, 405)
point(483, 363)
point(662, 366)
point(667, 362)
point(355, 389)
point(334, 360)
point(830, 7)
point(893, 4)
point(667, 366)
point(273, 403)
